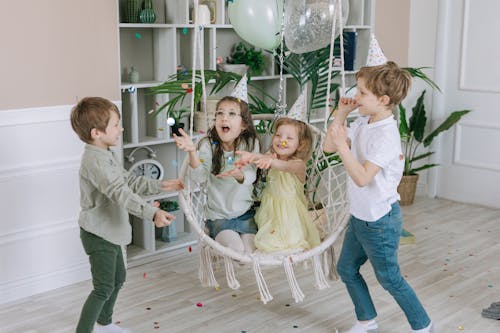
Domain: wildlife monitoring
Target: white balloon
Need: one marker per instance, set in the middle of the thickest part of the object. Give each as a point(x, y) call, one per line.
point(170, 121)
point(308, 23)
point(258, 22)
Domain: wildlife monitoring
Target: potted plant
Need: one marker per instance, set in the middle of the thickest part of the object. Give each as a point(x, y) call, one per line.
point(177, 116)
point(246, 55)
point(413, 136)
point(169, 233)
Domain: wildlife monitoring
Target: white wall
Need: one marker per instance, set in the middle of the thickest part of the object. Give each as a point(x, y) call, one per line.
point(421, 53)
point(40, 248)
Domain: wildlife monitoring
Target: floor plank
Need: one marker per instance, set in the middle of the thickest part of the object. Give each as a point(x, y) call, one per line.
point(453, 266)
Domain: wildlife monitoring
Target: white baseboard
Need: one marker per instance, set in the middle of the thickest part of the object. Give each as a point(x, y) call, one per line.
point(29, 286)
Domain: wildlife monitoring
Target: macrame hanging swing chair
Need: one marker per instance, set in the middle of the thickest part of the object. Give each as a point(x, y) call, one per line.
point(325, 190)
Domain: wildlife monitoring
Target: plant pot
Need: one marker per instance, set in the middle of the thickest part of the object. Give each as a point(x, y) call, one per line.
point(170, 233)
point(235, 68)
point(175, 128)
point(407, 188)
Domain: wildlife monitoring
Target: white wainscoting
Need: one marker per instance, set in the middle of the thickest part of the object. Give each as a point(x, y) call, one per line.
point(40, 248)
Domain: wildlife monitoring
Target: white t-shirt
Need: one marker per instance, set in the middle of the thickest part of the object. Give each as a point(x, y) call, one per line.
point(379, 143)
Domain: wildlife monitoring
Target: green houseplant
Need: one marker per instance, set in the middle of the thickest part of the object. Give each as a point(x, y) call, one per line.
point(242, 53)
point(413, 136)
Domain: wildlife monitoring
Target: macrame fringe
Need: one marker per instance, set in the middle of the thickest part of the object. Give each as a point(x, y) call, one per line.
point(265, 295)
point(319, 275)
point(232, 282)
point(297, 293)
point(330, 263)
point(206, 271)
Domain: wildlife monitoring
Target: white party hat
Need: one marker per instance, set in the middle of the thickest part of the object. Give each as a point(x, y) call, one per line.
point(241, 90)
point(298, 110)
point(375, 55)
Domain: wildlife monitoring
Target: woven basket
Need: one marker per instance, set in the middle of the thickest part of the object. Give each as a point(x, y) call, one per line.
point(407, 188)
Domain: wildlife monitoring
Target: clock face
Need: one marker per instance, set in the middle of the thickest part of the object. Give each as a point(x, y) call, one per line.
point(148, 168)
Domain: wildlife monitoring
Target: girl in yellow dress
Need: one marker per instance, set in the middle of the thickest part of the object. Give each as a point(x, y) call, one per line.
point(283, 220)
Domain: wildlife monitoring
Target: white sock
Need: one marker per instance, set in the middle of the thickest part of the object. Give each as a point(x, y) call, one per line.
point(248, 242)
point(365, 327)
point(230, 239)
point(428, 329)
point(111, 328)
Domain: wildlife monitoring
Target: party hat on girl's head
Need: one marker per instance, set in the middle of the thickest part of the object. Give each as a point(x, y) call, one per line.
point(241, 90)
point(298, 110)
point(375, 55)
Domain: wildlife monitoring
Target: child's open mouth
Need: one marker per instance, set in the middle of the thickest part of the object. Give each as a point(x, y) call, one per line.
point(225, 129)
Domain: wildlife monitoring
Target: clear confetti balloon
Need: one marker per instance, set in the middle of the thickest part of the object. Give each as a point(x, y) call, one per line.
point(308, 23)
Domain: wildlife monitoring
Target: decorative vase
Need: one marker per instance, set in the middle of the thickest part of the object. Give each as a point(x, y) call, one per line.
point(407, 188)
point(133, 75)
point(147, 15)
point(132, 11)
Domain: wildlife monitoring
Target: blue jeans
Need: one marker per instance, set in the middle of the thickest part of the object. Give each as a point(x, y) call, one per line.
point(243, 224)
point(378, 242)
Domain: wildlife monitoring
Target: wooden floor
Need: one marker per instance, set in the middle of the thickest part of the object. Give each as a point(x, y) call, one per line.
point(454, 268)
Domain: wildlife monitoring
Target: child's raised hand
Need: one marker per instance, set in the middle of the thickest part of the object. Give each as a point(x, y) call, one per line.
point(172, 185)
point(265, 162)
point(162, 218)
point(235, 172)
point(338, 135)
point(184, 142)
point(347, 105)
point(246, 157)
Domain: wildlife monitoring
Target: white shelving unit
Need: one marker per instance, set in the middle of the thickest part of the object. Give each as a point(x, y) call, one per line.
point(155, 50)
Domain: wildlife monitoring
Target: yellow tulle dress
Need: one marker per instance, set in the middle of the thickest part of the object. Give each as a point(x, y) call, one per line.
point(283, 220)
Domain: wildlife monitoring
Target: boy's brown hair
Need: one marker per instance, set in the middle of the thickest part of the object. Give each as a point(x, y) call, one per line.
point(387, 79)
point(304, 150)
point(89, 113)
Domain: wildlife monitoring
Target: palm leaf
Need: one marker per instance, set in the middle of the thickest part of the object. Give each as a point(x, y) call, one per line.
point(404, 131)
point(417, 72)
point(423, 167)
point(419, 157)
point(453, 118)
point(218, 79)
point(418, 119)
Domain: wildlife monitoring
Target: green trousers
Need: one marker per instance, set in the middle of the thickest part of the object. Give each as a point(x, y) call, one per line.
point(108, 275)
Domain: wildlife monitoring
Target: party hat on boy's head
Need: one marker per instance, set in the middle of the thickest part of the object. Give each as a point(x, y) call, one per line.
point(241, 90)
point(298, 110)
point(375, 55)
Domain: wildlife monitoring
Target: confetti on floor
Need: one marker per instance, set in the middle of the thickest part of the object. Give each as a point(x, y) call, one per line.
point(199, 304)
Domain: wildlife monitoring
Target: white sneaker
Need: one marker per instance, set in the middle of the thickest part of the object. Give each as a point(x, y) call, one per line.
point(370, 327)
point(111, 328)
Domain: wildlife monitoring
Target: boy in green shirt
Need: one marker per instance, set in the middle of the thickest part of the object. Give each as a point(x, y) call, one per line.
point(108, 193)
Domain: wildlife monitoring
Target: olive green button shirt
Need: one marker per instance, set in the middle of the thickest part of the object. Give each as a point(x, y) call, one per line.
point(108, 193)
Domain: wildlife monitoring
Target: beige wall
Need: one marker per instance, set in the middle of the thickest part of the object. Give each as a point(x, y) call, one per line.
point(392, 24)
point(54, 52)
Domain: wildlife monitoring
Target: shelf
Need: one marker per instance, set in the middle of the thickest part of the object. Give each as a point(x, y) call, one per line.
point(171, 26)
point(151, 141)
point(141, 84)
point(184, 239)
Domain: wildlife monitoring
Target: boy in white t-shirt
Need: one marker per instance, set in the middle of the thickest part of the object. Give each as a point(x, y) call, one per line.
point(371, 153)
